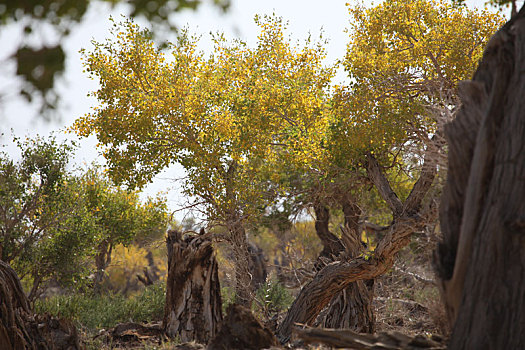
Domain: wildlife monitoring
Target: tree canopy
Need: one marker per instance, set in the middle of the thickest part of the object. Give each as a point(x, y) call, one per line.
point(404, 61)
point(218, 116)
point(249, 123)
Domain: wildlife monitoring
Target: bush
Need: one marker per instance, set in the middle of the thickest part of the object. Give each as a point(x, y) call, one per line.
point(105, 311)
point(272, 297)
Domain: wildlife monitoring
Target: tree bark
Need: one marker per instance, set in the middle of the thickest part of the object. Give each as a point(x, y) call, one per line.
point(351, 340)
point(102, 261)
point(481, 259)
point(332, 246)
point(193, 307)
point(352, 308)
point(242, 259)
point(243, 264)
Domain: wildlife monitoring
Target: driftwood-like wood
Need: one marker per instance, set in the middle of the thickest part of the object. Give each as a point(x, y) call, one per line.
point(193, 300)
point(408, 217)
point(382, 341)
point(480, 261)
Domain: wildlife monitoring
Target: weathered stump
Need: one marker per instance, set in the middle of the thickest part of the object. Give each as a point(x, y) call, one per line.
point(20, 329)
point(193, 299)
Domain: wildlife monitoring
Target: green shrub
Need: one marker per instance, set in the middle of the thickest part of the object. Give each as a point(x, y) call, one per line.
point(105, 311)
point(272, 297)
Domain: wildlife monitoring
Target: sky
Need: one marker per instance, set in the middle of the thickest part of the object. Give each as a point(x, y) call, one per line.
point(305, 17)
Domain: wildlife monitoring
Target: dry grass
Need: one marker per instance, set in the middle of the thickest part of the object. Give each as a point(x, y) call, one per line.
point(407, 299)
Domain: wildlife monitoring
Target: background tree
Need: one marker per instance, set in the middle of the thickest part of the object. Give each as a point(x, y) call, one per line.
point(46, 231)
point(120, 217)
point(54, 222)
point(218, 117)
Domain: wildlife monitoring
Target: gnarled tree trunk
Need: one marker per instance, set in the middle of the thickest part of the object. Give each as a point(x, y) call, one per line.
point(242, 265)
point(352, 307)
point(481, 260)
point(193, 299)
point(408, 217)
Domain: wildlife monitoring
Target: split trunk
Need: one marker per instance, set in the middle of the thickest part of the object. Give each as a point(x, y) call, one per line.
point(20, 329)
point(352, 307)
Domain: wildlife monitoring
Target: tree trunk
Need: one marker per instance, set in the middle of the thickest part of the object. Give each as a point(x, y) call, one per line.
point(244, 286)
point(332, 245)
point(102, 261)
point(258, 269)
point(481, 259)
point(409, 217)
point(20, 329)
point(352, 307)
point(193, 307)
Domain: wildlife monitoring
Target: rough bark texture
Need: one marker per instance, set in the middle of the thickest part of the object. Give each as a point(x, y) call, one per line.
point(20, 329)
point(193, 301)
point(335, 277)
point(481, 260)
point(352, 307)
point(244, 285)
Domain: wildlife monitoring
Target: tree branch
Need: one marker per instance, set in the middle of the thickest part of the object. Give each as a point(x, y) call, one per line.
point(426, 178)
point(383, 186)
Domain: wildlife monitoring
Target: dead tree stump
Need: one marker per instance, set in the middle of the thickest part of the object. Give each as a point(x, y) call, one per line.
point(193, 307)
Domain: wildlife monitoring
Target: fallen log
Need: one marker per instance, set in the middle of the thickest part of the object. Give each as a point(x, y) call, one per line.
point(344, 338)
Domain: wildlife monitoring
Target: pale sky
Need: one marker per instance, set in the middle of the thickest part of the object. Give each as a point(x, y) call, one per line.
point(304, 16)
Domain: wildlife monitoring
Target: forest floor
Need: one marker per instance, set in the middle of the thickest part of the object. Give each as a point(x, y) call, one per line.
point(406, 300)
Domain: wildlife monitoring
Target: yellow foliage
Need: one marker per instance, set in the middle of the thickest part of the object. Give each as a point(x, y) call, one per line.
point(219, 116)
point(404, 59)
point(127, 262)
